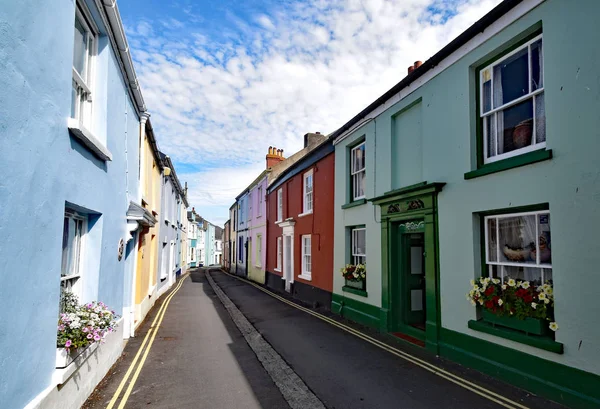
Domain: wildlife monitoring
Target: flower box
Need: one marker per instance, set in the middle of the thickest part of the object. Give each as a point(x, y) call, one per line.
point(528, 325)
point(360, 284)
point(64, 357)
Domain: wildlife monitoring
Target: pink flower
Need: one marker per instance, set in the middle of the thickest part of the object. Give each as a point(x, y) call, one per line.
point(89, 336)
point(85, 329)
point(68, 343)
point(97, 337)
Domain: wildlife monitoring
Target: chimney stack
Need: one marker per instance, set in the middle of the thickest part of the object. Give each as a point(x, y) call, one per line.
point(416, 65)
point(313, 139)
point(274, 156)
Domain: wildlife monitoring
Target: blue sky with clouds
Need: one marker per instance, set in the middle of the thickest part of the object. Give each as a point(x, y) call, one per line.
point(225, 80)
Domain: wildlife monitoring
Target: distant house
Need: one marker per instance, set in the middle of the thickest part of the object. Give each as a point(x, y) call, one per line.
point(233, 243)
point(300, 225)
point(218, 254)
point(226, 245)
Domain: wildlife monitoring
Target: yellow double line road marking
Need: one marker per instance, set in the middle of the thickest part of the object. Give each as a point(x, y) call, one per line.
point(479, 390)
point(149, 336)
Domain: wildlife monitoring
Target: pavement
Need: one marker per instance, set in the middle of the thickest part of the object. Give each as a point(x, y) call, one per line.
point(207, 355)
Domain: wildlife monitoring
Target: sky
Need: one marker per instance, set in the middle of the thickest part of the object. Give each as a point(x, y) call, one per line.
point(225, 80)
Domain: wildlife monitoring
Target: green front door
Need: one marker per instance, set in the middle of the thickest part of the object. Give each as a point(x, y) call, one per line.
point(413, 272)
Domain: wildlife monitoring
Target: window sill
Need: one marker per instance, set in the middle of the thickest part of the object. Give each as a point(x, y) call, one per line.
point(354, 203)
point(277, 269)
point(535, 341)
point(510, 163)
point(356, 291)
point(88, 140)
point(305, 214)
point(306, 278)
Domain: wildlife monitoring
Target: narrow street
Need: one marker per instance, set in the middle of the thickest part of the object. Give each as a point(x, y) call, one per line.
point(200, 359)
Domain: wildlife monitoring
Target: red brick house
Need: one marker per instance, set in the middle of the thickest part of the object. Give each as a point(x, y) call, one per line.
point(300, 225)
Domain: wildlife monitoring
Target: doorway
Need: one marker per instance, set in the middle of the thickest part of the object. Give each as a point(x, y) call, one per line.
point(287, 261)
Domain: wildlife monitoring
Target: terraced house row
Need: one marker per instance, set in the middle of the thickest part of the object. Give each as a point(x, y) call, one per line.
point(92, 207)
point(476, 175)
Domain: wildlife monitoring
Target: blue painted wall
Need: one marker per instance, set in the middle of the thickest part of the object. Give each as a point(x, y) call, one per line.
point(44, 168)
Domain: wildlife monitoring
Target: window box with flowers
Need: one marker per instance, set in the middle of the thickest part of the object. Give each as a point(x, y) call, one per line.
point(81, 328)
point(355, 276)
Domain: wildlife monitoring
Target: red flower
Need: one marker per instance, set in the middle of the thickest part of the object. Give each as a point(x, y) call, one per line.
point(489, 304)
point(489, 291)
point(528, 298)
point(521, 292)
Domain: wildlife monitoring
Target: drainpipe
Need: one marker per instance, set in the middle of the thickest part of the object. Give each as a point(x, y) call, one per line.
point(116, 26)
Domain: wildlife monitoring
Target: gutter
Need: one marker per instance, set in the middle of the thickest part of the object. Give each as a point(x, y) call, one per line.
point(152, 139)
point(118, 33)
point(478, 27)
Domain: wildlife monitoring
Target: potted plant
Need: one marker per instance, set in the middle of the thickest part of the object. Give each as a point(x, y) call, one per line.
point(516, 304)
point(80, 326)
point(355, 275)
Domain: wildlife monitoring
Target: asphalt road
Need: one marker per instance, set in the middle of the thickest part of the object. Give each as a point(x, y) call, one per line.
point(200, 359)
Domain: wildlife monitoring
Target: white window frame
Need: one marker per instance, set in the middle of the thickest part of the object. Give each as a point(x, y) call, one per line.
point(83, 101)
point(492, 114)
point(501, 264)
point(258, 250)
point(260, 201)
point(280, 204)
point(356, 256)
point(354, 173)
point(250, 206)
point(73, 282)
point(279, 253)
point(306, 243)
point(308, 195)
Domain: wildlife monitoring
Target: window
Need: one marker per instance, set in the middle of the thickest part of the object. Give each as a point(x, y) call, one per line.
point(306, 257)
point(249, 205)
point(280, 205)
point(279, 253)
point(518, 246)
point(73, 232)
point(357, 171)
point(83, 53)
point(308, 192)
point(192, 255)
point(260, 202)
point(512, 108)
point(359, 246)
point(241, 248)
point(258, 250)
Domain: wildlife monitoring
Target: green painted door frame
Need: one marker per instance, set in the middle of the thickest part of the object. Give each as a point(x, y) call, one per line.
point(410, 209)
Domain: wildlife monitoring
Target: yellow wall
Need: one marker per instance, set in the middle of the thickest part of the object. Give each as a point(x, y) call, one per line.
point(147, 267)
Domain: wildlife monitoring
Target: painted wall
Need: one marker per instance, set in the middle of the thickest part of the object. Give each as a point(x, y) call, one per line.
point(364, 215)
point(258, 232)
point(233, 238)
point(242, 234)
point(210, 244)
point(168, 235)
point(226, 244)
point(446, 149)
point(45, 168)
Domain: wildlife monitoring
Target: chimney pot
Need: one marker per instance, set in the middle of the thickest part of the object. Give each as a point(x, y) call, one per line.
point(411, 69)
point(418, 64)
point(318, 133)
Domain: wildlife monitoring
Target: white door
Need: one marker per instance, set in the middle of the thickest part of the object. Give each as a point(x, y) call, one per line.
point(287, 261)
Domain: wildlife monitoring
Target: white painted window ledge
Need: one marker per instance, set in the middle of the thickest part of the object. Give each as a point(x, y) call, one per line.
point(277, 269)
point(87, 138)
point(307, 278)
point(305, 214)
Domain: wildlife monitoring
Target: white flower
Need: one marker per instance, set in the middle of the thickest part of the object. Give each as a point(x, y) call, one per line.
point(495, 281)
point(553, 326)
point(468, 297)
point(480, 301)
point(504, 286)
point(511, 282)
point(546, 301)
point(473, 303)
point(355, 275)
point(472, 282)
point(525, 284)
point(533, 305)
point(500, 302)
point(542, 296)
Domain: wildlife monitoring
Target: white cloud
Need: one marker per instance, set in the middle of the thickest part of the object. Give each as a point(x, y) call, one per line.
point(306, 67)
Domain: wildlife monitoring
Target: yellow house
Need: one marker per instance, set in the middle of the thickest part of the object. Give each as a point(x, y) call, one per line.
point(147, 248)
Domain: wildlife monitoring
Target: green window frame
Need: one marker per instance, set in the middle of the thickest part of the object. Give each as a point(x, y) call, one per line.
point(356, 174)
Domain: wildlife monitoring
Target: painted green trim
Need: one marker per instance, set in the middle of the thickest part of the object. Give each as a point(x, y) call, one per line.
point(510, 163)
point(563, 384)
point(413, 190)
point(355, 203)
point(512, 45)
point(357, 311)
point(517, 209)
point(348, 176)
point(356, 291)
point(536, 341)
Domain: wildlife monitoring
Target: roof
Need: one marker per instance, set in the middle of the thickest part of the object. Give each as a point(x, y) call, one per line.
point(167, 161)
point(453, 46)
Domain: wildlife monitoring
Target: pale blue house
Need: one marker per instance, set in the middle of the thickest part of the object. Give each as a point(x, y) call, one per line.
point(70, 200)
point(242, 234)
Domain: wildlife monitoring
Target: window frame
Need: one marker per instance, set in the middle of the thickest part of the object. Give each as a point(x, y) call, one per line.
point(354, 255)
point(279, 253)
point(306, 199)
point(306, 274)
point(280, 204)
point(258, 262)
point(482, 137)
point(77, 277)
point(354, 172)
point(84, 87)
point(260, 201)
